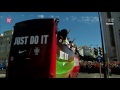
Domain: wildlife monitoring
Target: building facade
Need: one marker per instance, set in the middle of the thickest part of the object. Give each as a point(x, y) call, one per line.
point(86, 51)
point(5, 43)
point(81, 51)
point(1, 37)
point(111, 34)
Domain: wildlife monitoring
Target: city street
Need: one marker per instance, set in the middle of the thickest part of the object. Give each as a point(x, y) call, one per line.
point(81, 75)
point(95, 75)
point(2, 73)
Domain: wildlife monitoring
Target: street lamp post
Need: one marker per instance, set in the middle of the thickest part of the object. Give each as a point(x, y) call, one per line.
point(105, 76)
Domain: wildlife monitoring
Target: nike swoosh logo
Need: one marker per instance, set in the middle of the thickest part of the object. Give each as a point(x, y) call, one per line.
point(64, 63)
point(21, 51)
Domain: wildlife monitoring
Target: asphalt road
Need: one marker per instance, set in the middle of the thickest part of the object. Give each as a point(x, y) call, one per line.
point(3, 71)
point(80, 75)
point(95, 75)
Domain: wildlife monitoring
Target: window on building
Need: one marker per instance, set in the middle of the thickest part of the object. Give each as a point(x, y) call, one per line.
point(114, 53)
point(7, 38)
point(112, 38)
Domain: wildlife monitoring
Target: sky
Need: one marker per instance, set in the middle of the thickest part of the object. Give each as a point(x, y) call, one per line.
point(84, 26)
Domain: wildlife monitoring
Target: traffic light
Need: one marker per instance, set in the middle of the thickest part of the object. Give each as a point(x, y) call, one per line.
point(100, 51)
point(95, 51)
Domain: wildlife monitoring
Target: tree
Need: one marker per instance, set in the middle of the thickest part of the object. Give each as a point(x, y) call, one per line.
point(88, 58)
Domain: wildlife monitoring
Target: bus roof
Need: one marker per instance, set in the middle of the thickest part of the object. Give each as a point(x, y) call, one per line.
point(34, 20)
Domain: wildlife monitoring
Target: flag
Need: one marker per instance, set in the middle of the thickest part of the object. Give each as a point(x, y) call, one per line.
point(68, 32)
point(73, 40)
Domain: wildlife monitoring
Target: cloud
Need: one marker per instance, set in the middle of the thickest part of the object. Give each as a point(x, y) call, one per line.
point(57, 16)
point(8, 15)
point(1, 16)
point(82, 19)
point(95, 19)
point(31, 15)
point(41, 16)
point(73, 18)
point(52, 16)
point(67, 18)
point(22, 15)
point(88, 19)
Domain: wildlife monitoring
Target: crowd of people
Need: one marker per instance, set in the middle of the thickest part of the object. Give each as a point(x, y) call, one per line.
point(62, 37)
point(86, 66)
point(89, 67)
point(93, 67)
point(115, 67)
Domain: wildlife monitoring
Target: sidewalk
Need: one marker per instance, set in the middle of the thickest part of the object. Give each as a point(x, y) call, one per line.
point(83, 75)
point(2, 75)
point(95, 75)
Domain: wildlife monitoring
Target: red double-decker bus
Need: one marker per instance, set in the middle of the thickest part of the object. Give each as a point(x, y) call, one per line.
point(36, 52)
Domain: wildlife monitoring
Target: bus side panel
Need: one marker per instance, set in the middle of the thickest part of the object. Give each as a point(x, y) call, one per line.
point(52, 73)
point(66, 62)
point(76, 66)
point(30, 59)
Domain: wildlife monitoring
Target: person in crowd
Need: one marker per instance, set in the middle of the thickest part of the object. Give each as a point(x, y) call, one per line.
point(89, 67)
point(62, 35)
point(73, 48)
point(67, 42)
point(59, 36)
point(70, 43)
point(110, 72)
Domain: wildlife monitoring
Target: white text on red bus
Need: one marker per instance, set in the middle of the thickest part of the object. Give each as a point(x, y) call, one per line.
point(43, 39)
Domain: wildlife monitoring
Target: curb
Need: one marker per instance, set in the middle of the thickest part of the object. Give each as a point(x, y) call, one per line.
point(2, 75)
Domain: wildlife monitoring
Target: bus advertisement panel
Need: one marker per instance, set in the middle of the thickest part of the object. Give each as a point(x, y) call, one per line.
point(33, 49)
point(37, 53)
point(67, 62)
